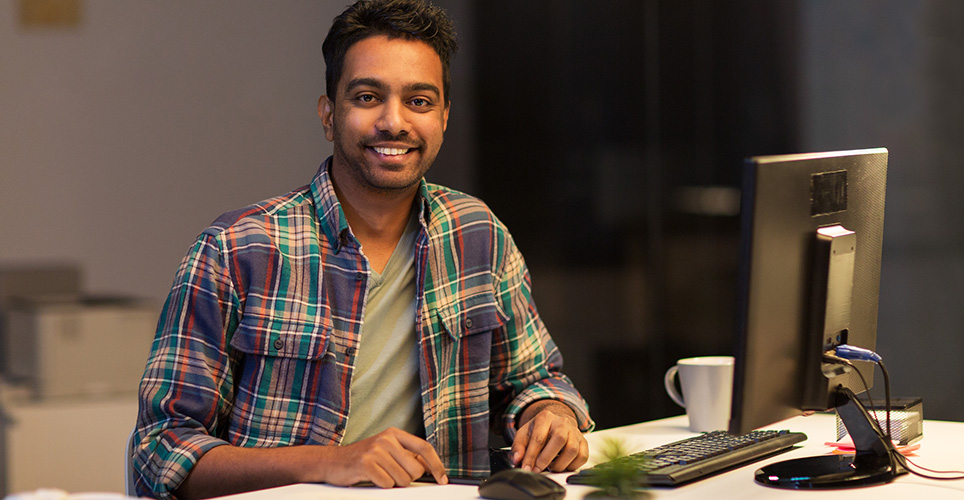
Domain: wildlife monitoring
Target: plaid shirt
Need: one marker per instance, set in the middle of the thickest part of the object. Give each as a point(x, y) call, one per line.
point(257, 340)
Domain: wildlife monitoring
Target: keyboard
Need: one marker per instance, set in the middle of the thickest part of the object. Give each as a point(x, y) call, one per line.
point(697, 457)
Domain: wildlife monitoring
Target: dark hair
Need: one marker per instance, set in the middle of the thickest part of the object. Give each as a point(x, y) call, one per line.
point(409, 19)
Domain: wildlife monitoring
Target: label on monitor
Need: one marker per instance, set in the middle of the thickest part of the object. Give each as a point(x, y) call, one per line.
point(828, 193)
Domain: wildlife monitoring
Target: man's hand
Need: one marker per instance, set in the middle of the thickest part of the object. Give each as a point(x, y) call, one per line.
point(549, 437)
point(388, 459)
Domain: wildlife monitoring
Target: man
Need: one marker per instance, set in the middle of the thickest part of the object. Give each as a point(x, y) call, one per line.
point(369, 327)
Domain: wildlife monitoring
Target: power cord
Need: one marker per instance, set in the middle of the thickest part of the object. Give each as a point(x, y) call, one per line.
point(843, 354)
point(906, 462)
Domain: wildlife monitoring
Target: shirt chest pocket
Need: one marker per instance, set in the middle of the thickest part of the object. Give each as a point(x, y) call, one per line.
point(463, 351)
point(277, 382)
point(282, 337)
point(471, 315)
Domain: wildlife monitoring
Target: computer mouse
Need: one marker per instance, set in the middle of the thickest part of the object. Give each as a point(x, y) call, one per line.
point(517, 484)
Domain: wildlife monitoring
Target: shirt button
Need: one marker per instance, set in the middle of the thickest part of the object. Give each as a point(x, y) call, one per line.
point(339, 428)
point(351, 351)
point(468, 322)
point(279, 344)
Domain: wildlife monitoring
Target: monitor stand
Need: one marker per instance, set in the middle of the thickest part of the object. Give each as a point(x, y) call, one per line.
point(874, 462)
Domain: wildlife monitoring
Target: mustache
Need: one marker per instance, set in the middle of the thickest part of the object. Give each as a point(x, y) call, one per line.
point(403, 138)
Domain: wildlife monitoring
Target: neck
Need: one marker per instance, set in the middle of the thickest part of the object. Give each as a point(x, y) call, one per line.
point(377, 218)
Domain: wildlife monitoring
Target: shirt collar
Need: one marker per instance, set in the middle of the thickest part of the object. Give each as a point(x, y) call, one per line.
point(332, 218)
point(328, 210)
point(422, 204)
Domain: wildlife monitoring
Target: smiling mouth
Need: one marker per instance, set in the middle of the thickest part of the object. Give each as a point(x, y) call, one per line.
point(390, 151)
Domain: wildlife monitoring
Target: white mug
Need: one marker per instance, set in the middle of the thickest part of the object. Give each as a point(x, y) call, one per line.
point(707, 384)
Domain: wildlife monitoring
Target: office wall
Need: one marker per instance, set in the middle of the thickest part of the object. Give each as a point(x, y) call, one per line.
point(122, 137)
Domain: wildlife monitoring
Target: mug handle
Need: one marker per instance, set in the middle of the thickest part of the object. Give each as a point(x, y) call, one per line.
point(670, 382)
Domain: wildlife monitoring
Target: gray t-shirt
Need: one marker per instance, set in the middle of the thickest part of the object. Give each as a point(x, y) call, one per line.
point(385, 388)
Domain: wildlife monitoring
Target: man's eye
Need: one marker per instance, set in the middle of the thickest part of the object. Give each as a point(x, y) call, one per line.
point(366, 98)
point(420, 102)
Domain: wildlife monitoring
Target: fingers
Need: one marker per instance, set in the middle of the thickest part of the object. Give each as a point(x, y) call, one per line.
point(382, 469)
point(426, 455)
point(550, 441)
point(574, 456)
point(538, 434)
point(519, 445)
point(389, 459)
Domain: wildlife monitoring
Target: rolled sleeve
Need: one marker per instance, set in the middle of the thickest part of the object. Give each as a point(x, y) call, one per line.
point(186, 387)
point(557, 389)
point(170, 457)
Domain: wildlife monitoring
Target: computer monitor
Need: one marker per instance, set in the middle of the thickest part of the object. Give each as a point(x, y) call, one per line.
point(811, 237)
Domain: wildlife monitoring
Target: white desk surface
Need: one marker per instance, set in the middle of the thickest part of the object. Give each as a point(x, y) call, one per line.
point(942, 449)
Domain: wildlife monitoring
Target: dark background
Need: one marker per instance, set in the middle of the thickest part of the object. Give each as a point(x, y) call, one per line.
point(610, 137)
point(601, 116)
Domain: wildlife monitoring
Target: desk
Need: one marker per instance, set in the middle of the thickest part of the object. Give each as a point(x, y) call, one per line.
point(940, 449)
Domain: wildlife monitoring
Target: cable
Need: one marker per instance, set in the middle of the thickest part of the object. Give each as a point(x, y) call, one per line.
point(856, 353)
point(905, 462)
point(844, 361)
point(887, 405)
point(843, 354)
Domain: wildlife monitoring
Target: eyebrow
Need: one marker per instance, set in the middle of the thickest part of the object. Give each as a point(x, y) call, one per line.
point(378, 84)
point(363, 82)
point(423, 87)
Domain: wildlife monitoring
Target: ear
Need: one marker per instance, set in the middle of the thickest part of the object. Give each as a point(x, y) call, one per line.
point(325, 112)
point(445, 115)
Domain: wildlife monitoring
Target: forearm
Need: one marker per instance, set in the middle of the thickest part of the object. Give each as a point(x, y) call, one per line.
point(388, 459)
point(226, 470)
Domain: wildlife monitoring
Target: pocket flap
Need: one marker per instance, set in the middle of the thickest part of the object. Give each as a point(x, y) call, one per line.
point(277, 337)
point(474, 314)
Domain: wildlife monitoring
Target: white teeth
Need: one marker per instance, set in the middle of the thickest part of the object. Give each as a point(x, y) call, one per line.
point(390, 151)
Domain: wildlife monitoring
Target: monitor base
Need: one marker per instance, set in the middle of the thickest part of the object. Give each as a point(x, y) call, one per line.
point(823, 472)
point(875, 461)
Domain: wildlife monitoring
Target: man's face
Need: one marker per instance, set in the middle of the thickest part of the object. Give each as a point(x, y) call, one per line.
point(388, 115)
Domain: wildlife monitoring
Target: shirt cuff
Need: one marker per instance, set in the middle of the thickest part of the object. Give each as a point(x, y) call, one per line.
point(553, 389)
point(174, 456)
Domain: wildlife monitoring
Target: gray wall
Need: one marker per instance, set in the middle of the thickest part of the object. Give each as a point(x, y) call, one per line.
point(123, 137)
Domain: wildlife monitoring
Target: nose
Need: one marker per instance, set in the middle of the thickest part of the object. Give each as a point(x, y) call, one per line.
point(393, 119)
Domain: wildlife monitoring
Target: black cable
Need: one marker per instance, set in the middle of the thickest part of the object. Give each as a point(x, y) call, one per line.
point(904, 461)
point(887, 404)
point(899, 457)
point(844, 361)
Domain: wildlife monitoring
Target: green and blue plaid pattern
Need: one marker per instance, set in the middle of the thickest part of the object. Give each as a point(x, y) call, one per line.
point(257, 339)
